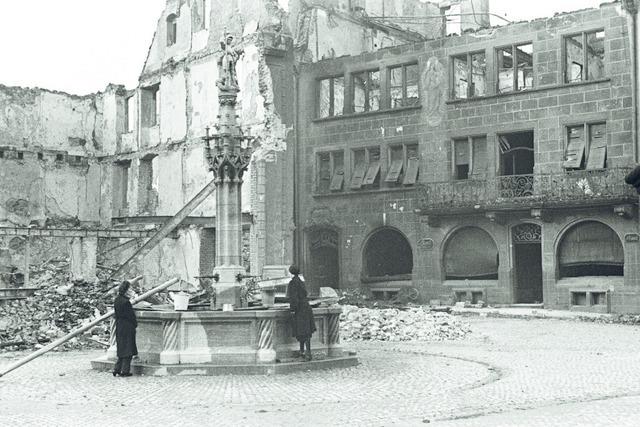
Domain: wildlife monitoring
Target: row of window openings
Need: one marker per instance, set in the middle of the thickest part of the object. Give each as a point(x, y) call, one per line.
point(402, 90)
point(19, 155)
point(515, 66)
point(200, 17)
point(586, 149)
point(403, 165)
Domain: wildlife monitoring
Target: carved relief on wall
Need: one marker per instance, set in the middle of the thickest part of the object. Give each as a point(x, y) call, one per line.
point(320, 217)
point(434, 84)
point(527, 233)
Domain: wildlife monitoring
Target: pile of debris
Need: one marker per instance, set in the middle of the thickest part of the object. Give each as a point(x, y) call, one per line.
point(58, 307)
point(407, 324)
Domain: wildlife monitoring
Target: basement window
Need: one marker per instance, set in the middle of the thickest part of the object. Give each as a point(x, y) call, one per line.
point(40, 156)
point(172, 29)
point(598, 298)
point(578, 298)
point(582, 63)
point(20, 155)
point(59, 157)
point(515, 68)
point(331, 97)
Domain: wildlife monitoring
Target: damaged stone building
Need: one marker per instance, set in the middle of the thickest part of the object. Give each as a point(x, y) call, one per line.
point(401, 145)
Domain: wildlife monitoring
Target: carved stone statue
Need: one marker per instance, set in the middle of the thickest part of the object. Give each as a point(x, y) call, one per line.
point(227, 63)
point(434, 83)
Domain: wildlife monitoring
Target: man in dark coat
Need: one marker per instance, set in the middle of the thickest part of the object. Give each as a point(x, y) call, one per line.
point(303, 325)
point(126, 325)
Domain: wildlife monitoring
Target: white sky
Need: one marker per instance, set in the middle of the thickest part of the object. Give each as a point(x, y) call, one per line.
point(79, 46)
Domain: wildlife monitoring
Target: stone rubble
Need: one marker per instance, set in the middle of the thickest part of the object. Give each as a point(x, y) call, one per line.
point(58, 307)
point(393, 324)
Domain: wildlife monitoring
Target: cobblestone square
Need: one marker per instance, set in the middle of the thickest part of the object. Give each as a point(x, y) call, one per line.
point(537, 372)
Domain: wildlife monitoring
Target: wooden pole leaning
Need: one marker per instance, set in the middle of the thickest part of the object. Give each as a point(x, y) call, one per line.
point(84, 328)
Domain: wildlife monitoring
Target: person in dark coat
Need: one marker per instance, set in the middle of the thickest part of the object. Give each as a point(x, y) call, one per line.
point(303, 325)
point(126, 325)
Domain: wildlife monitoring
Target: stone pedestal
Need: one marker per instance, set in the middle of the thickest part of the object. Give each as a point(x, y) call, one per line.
point(216, 342)
point(228, 287)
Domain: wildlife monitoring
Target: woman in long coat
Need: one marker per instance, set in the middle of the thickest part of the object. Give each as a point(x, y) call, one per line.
point(303, 325)
point(126, 325)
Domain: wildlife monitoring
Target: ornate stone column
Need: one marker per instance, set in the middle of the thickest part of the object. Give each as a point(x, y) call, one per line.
point(228, 159)
point(333, 336)
point(266, 351)
point(169, 354)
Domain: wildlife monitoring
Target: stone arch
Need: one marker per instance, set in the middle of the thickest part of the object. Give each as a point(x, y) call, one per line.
point(470, 253)
point(589, 248)
point(387, 253)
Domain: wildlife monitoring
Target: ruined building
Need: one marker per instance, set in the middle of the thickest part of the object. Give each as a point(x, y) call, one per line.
point(401, 145)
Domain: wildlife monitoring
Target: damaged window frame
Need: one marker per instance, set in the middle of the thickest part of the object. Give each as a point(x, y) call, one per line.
point(367, 89)
point(404, 100)
point(516, 67)
point(334, 182)
point(471, 141)
point(399, 170)
point(470, 91)
point(333, 105)
point(150, 117)
point(584, 74)
point(591, 152)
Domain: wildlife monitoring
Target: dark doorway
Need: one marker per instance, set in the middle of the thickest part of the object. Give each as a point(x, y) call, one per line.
point(528, 264)
point(516, 164)
point(324, 270)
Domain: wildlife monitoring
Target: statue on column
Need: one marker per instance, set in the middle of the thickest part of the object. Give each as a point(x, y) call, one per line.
point(227, 62)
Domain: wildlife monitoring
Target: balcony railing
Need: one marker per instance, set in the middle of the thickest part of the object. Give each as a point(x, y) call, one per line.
point(583, 187)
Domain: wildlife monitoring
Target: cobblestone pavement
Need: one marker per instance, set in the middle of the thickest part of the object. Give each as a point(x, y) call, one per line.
point(509, 372)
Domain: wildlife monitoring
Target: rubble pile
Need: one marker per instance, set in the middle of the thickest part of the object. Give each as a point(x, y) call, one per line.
point(392, 324)
point(56, 308)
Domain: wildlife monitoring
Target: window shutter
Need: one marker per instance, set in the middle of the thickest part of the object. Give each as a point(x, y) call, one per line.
point(394, 171)
point(336, 180)
point(358, 176)
point(411, 174)
point(575, 149)
point(372, 173)
point(597, 147)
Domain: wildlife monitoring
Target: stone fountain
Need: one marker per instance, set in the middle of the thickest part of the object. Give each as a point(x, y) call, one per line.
point(245, 340)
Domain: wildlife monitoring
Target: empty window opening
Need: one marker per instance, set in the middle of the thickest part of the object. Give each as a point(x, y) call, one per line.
point(591, 248)
point(598, 298)
point(172, 29)
point(516, 153)
point(578, 298)
point(40, 156)
point(471, 253)
point(403, 86)
point(150, 105)
point(460, 296)
point(121, 187)
point(331, 97)
point(584, 63)
point(515, 68)
point(387, 253)
point(366, 91)
point(20, 155)
point(146, 194)
point(129, 114)
point(59, 157)
point(469, 74)
point(476, 297)
point(200, 16)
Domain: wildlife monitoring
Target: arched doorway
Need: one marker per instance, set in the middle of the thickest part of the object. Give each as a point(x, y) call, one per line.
point(471, 254)
point(527, 254)
point(324, 270)
point(590, 248)
point(387, 254)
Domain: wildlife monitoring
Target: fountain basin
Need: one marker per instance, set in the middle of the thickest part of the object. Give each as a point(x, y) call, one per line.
point(240, 342)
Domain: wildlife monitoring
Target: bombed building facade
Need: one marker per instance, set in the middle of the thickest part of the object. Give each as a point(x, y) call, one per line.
point(389, 156)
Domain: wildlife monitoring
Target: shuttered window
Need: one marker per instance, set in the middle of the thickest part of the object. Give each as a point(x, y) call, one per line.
point(586, 147)
point(597, 146)
point(330, 175)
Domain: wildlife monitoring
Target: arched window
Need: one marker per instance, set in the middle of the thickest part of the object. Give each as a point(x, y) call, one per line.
point(172, 29)
point(590, 248)
point(387, 253)
point(471, 253)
